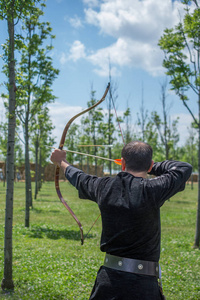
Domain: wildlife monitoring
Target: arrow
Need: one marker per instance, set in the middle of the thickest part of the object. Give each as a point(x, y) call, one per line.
point(117, 161)
point(110, 146)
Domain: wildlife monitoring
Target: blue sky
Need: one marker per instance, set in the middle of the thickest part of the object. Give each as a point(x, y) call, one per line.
point(89, 34)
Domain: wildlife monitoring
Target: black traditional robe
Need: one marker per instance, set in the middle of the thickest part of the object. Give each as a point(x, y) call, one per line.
point(130, 210)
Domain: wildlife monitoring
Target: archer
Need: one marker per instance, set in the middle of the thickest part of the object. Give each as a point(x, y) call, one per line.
point(130, 209)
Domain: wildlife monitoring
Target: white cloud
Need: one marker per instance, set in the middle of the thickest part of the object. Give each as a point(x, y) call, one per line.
point(138, 20)
point(77, 51)
point(126, 52)
point(63, 58)
point(76, 22)
point(137, 26)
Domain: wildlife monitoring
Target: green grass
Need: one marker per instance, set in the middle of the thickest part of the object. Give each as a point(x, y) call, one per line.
point(50, 263)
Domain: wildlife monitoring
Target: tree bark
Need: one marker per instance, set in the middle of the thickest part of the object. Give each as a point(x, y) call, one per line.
point(40, 169)
point(36, 167)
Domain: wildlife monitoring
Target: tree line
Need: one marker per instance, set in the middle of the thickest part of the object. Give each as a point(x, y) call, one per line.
point(92, 136)
point(98, 134)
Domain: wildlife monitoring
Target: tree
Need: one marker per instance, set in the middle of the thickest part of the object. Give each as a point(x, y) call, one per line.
point(128, 134)
point(95, 117)
point(11, 11)
point(142, 118)
point(147, 129)
point(91, 125)
point(190, 151)
point(167, 130)
point(71, 142)
point(40, 135)
point(181, 46)
point(110, 126)
point(35, 76)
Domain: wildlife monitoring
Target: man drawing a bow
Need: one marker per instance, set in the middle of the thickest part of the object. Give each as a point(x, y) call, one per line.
point(130, 209)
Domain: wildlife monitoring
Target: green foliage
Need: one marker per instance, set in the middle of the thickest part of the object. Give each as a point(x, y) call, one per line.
point(128, 132)
point(189, 152)
point(17, 7)
point(34, 71)
point(72, 140)
point(3, 139)
point(181, 46)
point(168, 135)
point(50, 263)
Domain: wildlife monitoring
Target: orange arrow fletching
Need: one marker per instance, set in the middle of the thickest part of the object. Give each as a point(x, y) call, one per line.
point(118, 161)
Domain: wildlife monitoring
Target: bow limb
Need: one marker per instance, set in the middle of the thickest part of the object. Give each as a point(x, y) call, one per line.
point(62, 141)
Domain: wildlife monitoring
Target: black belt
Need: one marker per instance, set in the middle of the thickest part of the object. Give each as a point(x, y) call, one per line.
point(142, 267)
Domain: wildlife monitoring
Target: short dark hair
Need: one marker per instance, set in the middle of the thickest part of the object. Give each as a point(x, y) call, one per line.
point(138, 156)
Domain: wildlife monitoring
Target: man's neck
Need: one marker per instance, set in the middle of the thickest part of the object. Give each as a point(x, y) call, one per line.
point(137, 174)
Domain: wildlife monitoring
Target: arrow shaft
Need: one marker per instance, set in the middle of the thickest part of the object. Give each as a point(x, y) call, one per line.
point(90, 155)
point(95, 146)
point(86, 154)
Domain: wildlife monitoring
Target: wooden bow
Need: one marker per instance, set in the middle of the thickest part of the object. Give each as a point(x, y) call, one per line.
point(62, 141)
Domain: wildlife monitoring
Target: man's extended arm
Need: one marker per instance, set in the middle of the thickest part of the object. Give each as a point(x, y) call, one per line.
point(85, 184)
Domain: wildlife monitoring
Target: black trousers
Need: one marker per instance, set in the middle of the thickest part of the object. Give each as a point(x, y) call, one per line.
point(117, 285)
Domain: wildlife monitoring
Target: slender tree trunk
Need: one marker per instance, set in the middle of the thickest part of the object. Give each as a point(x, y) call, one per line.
point(192, 177)
point(30, 187)
point(36, 168)
point(27, 174)
point(197, 235)
point(40, 169)
point(88, 170)
point(143, 116)
point(4, 175)
point(165, 138)
point(7, 282)
point(27, 160)
point(81, 162)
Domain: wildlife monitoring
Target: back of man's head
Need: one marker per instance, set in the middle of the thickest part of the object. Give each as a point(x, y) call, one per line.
point(138, 156)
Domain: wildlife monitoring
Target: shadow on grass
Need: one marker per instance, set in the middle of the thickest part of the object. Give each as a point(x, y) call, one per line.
point(182, 202)
point(41, 232)
point(42, 195)
point(38, 211)
point(49, 201)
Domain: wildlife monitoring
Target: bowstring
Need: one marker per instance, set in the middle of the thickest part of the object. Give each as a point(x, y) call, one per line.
point(92, 226)
point(117, 119)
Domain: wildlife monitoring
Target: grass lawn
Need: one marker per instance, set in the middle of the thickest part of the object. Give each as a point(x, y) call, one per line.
point(50, 263)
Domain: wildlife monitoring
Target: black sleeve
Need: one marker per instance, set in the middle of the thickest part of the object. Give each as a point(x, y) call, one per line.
point(87, 185)
point(171, 177)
